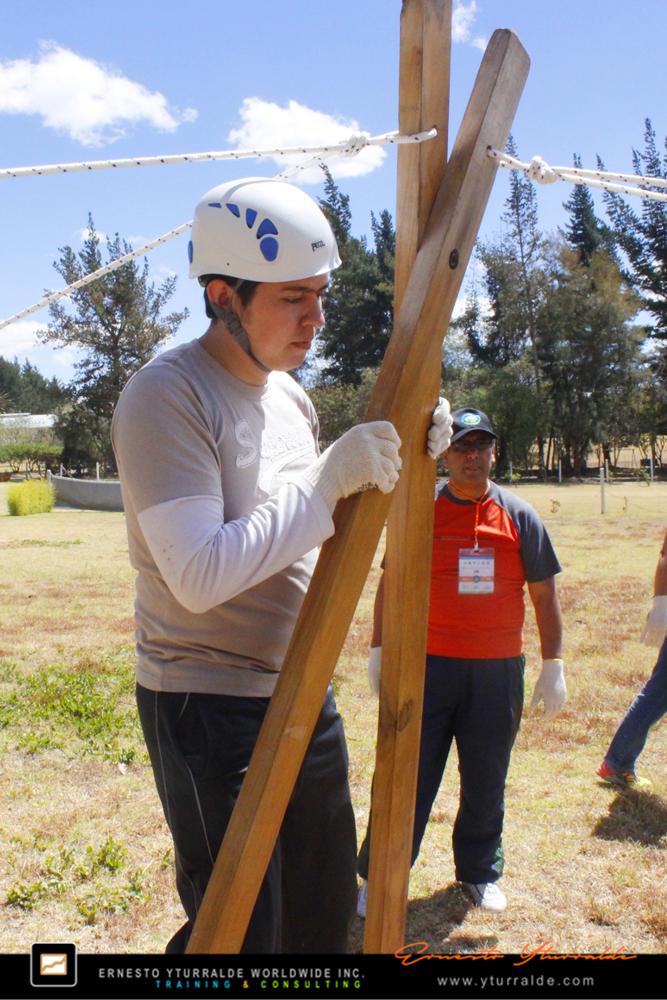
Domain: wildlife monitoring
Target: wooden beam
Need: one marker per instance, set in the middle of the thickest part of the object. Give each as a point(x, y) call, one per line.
point(423, 102)
point(346, 558)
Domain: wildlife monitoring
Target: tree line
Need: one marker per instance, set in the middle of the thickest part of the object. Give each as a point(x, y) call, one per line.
point(563, 338)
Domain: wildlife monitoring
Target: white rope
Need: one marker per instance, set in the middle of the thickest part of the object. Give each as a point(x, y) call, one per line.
point(540, 171)
point(348, 147)
point(298, 168)
point(95, 275)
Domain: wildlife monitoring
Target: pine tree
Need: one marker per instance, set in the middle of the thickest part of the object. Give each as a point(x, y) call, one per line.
point(642, 237)
point(358, 305)
point(116, 322)
point(514, 283)
point(24, 389)
point(585, 232)
point(591, 352)
point(512, 268)
point(336, 207)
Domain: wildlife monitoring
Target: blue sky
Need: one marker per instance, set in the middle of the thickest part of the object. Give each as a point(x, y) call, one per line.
point(92, 80)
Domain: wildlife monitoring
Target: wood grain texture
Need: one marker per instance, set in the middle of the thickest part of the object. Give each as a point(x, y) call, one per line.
point(423, 103)
point(346, 558)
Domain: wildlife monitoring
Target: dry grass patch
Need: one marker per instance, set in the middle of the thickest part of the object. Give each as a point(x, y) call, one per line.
point(566, 882)
point(87, 854)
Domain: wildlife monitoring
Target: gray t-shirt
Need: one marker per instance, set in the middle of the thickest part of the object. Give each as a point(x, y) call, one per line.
point(222, 529)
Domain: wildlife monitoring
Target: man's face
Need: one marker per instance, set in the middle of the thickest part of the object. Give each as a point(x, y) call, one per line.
point(282, 319)
point(470, 459)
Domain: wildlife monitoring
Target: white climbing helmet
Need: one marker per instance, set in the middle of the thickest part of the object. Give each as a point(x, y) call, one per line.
point(261, 229)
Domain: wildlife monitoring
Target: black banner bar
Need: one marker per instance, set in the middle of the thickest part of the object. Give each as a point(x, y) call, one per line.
point(57, 967)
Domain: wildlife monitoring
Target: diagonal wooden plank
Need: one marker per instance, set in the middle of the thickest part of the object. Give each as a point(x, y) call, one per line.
point(423, 102)
point(346, 558)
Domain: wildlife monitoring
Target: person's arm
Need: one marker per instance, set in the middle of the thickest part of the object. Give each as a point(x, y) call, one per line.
point(660, 580)
point(550, 687)
point(544, 597)
point(170, 473)
point(655, 627)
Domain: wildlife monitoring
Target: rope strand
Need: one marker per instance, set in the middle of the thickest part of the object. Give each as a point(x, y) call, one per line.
point(347, 147)
point(95, 275)
point(539, 170)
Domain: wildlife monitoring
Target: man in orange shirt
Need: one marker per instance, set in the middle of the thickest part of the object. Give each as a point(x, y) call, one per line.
point(487, 545)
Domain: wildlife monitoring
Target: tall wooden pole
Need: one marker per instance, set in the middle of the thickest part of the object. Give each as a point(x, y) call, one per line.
point(423, 103)
point(346, 558)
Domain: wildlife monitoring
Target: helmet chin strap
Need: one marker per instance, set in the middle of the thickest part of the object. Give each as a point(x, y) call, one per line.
point(238, 332)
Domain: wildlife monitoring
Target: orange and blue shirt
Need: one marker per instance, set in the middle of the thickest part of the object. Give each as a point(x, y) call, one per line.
point(485, 625)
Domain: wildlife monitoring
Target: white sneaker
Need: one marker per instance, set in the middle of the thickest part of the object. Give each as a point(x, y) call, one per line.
point(487, 895)
point(361, 899)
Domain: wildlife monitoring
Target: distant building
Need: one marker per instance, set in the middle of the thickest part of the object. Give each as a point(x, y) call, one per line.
point(27, 421)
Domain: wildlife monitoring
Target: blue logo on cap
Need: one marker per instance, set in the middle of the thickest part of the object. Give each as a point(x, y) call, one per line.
point(470, 419)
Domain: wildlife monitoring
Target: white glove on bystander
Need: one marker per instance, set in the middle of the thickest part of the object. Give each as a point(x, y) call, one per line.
point(550, 687)
point(440, 432)
point(363, 457)
point(655, 628)
point(374, 667)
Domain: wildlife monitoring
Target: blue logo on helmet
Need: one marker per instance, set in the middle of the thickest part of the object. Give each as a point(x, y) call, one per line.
point(266, 231)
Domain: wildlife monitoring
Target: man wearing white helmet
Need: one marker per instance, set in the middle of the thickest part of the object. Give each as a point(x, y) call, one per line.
point(227, 500)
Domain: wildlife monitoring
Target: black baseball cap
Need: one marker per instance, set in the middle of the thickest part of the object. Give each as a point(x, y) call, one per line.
point(468, 419)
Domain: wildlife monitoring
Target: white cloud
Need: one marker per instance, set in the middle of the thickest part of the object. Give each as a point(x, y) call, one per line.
point(135, 240)
point(266, 125)
point(463, 19)
point(464, 301)
point(138, 240)
point(84, 234)
point(19, 338)
point(20, 341)
point(86, 100)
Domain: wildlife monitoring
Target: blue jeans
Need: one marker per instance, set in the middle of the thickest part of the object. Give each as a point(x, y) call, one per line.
point(648, 708)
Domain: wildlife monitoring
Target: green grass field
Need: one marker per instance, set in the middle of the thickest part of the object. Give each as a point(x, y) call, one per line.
point(87, 857)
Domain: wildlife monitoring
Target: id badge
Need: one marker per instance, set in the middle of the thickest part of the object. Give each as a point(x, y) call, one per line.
point(476, 571)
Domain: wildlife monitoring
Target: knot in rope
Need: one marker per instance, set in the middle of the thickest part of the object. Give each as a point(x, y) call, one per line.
point(353, 145)
point(539, 170)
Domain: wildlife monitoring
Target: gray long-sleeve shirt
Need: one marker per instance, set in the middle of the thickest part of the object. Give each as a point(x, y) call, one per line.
point(222, 528)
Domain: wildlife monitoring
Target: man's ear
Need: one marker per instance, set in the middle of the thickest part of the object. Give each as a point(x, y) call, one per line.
point(219, 293)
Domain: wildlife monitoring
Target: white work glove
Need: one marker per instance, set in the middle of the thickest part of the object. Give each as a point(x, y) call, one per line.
point(440, 432)
point(363, 457)
point(655, 628)
point(374, 667)
point(550, 687)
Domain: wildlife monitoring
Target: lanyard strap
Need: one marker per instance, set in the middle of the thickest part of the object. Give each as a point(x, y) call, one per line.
point(477, 502)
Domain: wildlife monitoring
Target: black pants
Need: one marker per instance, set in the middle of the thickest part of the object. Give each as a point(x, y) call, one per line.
point(477, 703)
point(200, 747)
